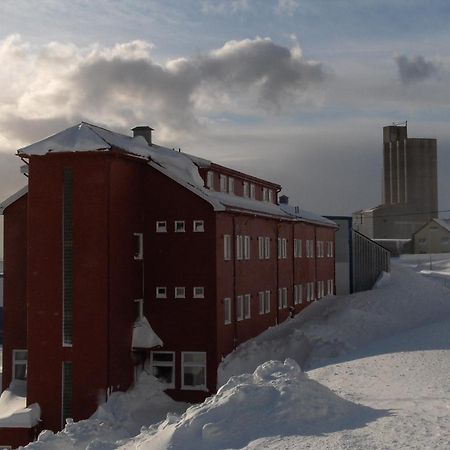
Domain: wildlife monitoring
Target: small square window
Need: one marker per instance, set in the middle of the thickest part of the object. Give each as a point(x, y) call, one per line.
point(199, 226)
point(179, 226)
point(180, 292)
point(161, 292)
point(199, 292)
point(161, 226)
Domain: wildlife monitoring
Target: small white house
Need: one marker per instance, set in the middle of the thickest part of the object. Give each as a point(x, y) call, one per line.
point(433, 237)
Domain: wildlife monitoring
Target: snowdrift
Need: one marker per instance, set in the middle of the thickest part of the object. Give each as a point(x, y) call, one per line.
point(277, 399)
point(338, 325)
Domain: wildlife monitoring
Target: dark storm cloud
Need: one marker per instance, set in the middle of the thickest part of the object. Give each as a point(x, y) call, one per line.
point(415, 69)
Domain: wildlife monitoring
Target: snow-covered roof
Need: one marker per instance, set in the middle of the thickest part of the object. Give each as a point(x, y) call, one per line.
point(180, 167)
point(10, 200)
point(144, 336)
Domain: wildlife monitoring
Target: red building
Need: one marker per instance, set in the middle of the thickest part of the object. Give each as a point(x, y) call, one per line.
point(122, 253)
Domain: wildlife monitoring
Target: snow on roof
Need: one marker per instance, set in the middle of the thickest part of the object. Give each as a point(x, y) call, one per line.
point(444, 223)
point(180, 167)
point(144, 336)
point(10, 200)
point(14, 412)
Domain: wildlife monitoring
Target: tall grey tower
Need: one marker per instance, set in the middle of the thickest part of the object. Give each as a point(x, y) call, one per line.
point(409, 189)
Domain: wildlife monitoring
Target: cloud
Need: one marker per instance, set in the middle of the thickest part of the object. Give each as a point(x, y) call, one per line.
point(412, 70)
point(123, 85)
point(286, 7)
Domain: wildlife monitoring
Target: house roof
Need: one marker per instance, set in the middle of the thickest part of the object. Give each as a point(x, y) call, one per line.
point(444, 223)
point(10, 200)
point(178, 166)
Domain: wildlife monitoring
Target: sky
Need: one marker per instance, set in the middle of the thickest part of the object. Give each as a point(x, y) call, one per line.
point(294, 91)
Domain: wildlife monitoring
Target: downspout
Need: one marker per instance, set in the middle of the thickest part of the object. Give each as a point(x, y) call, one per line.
point(233, 247)
point(315, 263)
point(277, 319)
point(108, 288)
point(293, 265)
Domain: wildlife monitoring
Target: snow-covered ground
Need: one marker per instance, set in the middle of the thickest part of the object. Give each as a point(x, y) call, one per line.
point(378, 365)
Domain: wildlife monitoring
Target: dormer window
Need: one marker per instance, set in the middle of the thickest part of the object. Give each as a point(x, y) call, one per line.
point(252, 191)
point(210, 180)
point(223, 183)
point(230, 185)
point(246, 189)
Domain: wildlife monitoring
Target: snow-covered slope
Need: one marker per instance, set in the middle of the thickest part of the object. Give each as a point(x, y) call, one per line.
point(385, 355)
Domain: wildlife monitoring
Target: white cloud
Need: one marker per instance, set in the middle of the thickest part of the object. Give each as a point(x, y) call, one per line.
point(224, 6)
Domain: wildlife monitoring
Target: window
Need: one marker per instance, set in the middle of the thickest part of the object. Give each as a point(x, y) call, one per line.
point(330, 287)
point(282, 298)
point(226, 311)
point(309, 291)
point(261, 302)
point(199, 226)
point(422, 241)
point(297, 248)
point(138, 246)
point(223, 183)
point(210, 180)
point(180, 292)
point(163, 367)
point(298, 294)
point(161, 292)
point(66, 407)
point(252, 191)
point(246, 189)
point(310, 249)
point(161, 226)
point(265, 194)
point(261, 247)
point(267, 247)
point(239, 247)
point(270, 196)
point(230, 185)
point(319, 245)
point(67, 258)
point(246, 247)
point(320, 289)
point(247, 306)
point(199, 292)
point(179, 226)
point(282, 248)
point(20, 362)
point(226, 247)
point(193, 370)
point(240, 307)
point(267, 302)
point(330, 249)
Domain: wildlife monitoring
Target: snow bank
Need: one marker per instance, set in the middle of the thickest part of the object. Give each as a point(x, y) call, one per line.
point(14, 412)
point(144, 335)
point(277, 399)
point(121, 417)
point(337, 325)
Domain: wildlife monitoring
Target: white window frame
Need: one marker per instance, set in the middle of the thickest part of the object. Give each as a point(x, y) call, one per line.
point(210, 180)
point(230, 185)
point(261, 302)
point(161, 294)
point(139, 254)
point(239, 308)
point(223, 183)
point(161, 226)
point(198, 292)
point(297, 248)
point(227, 247)
point(180, 226)
point(198, 226)
point(298, 294)
point(252, 191)
point(267, 302)
point(283, 248)
point(19, 362)
point(190, 364)
point(246, 189)
point(265, 194)
point(267, 247)
point(270, 197)
point(261, 247)
point(227, 310)
point(247, 247)
point(239, 247)
point(164, 364)
point(180, 292)
point(247, 306)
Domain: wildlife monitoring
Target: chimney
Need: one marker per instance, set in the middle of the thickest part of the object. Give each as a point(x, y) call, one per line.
point(145, 132)
point(284, 200)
